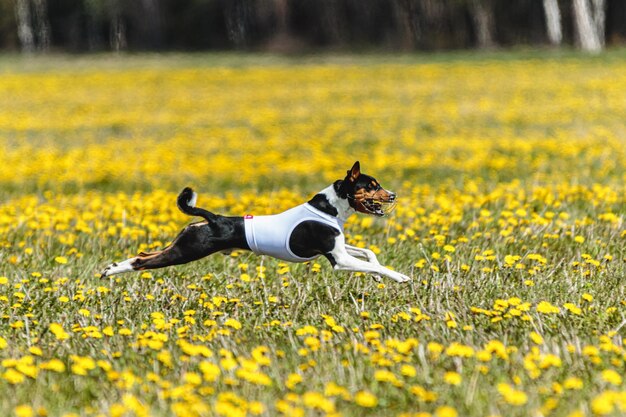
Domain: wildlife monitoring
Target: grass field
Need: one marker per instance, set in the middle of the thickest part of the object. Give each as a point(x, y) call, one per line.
point(511, 171)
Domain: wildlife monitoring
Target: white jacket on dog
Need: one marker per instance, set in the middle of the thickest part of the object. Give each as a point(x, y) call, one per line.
point(269, 235)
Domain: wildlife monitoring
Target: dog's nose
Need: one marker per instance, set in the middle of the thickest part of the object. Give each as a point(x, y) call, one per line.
point(392, 196)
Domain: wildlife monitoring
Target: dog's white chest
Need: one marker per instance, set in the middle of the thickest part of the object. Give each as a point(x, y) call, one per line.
point(269, 235)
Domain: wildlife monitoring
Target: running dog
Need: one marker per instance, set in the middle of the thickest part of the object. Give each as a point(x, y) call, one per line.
point(300, 234)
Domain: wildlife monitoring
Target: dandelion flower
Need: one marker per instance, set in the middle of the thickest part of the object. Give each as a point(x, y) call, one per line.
point(365, 399)
point(446, 411)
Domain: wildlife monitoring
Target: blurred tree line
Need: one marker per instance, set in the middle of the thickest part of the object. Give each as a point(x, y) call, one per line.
point(300, 25)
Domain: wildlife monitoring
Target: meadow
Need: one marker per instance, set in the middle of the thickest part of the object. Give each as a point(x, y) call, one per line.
point(511, 175)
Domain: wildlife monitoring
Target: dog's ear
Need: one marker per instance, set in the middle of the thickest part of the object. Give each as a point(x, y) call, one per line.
point(354, 172)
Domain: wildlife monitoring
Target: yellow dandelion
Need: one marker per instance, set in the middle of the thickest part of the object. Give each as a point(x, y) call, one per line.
point(452, 378)
point(587, 297)
point(573, 383)
point(446, 411)
point(293, 380)
point(232, 323)
point(612, 377)
point(603, 404)
point(408, 370)
point(536, 338)
point(54, 365)
point(511, 395)
point(58, 332)
point(547, 308)
point(365, 399)
point(24, 411)
point(61, 260)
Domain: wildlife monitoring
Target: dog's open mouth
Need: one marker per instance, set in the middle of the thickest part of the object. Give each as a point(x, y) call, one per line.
point(379, 207)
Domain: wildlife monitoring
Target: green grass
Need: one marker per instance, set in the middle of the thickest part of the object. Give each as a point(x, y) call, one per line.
point(533, 173)
point(10, 63)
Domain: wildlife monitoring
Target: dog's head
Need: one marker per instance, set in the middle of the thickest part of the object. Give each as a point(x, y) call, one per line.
point(364, 193)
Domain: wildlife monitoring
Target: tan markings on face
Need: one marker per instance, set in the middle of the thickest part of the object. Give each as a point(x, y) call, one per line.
point(360, 195)
point(382, 195)
point(379, 195)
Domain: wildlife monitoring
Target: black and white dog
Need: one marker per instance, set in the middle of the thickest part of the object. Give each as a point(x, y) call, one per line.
point(299, 234)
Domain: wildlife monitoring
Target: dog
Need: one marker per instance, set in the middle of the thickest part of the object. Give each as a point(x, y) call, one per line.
point(300, 234)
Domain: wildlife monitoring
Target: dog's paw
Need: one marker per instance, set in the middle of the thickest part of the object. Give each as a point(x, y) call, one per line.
point(402, 278)
point(107, 271)
point(377, 278)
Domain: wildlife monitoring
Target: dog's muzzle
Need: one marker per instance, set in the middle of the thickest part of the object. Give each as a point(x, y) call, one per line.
point(379, 207)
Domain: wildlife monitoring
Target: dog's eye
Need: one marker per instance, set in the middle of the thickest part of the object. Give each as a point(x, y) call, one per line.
point(372, 186)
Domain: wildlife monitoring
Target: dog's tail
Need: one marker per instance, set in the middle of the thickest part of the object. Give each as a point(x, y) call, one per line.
point(186, 202)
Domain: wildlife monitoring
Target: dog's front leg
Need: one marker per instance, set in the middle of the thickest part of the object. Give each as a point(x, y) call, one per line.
point(367, 254)
point(346, 262)
point(362, 253)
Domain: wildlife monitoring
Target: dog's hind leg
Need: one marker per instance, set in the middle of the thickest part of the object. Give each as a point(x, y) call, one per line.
point(173, 255)
point(119, 267)
point(189, 245)
point(152, 260)
point(170, 256)
point(193, 242)
point(179, 252)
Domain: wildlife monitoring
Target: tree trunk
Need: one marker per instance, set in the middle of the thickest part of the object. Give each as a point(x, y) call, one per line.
point(599, 18)
point(553, 21)
point(432, 19)
point(151, 24)
point(237, 15)
point(332, 22)
point(118, 33)
point(482, 16)
point(408, 23)
point(274, 16)
point(43, 24)
point(281, 8)
point(586, 27)
point(95, 16)
point(24, 25)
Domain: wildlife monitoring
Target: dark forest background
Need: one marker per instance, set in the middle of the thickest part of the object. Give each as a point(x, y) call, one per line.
point(303, 25)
